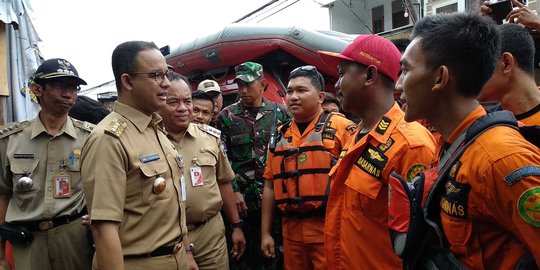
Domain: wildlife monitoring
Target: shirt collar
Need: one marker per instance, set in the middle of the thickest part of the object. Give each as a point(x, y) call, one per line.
point(473, 116)
point(138, 118)
point(38, 128)
point(383, 129)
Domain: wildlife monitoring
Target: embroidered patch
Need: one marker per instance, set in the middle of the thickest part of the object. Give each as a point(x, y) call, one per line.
point(383, 125)
point(414, 170)
point(455, 200)
point(329, 134)
point(385, 146)
point(521, 173)
point(23, 155)
point(455, 168)
point(529, 206)
point(351, 127)
point(372, 161)
point(149, 158)
point(302, 157)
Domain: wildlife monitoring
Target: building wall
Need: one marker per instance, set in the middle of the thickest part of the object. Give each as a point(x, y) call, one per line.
point(355, 16)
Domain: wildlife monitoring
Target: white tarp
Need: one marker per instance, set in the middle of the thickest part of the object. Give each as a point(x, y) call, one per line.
point(23, 59)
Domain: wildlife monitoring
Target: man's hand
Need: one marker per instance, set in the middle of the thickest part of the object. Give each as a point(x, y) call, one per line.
point(524, 16)
point(485, 10)
point(191, 263)
point(267, 246)
point(240, 204)
point(239, 243)
point(86, 221)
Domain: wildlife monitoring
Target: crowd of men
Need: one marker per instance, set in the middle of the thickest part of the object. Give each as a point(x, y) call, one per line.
point(171, 180)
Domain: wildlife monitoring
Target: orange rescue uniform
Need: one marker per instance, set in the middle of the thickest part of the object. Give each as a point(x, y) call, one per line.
point(356, 231)
point(490, 210)
point(530, 118)
point(303, 237)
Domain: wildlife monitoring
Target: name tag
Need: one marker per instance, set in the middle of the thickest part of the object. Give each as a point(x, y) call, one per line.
point(62, 186)
point(149, 158)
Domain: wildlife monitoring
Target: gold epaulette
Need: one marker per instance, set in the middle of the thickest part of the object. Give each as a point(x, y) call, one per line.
point(210, 130)
point(83, 125)
point(13, 128)
point(116, 127)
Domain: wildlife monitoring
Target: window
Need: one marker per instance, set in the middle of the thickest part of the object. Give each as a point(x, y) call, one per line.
point(398, 14)
point(447, 9)
point(377, 17)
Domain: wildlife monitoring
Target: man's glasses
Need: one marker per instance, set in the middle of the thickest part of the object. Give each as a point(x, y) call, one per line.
point(311, 70)
point(158, 76)
point(64, 86)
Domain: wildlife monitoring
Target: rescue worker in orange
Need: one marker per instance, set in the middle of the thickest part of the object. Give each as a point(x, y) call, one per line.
point(495, 186)
point(356, 232)
point(513, 82)
point(296, 173)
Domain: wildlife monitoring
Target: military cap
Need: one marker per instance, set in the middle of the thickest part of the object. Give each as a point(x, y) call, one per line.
point(56, 68)
point(248, 71)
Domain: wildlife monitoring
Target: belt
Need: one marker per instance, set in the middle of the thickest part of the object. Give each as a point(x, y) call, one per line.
point(44, 225)
point(160, 251)
point(301, 215)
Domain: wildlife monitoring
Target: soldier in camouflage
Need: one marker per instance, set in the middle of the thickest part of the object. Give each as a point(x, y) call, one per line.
point(246, 127)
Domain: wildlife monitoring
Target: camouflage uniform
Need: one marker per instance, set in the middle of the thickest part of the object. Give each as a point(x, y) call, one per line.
point(246, 137)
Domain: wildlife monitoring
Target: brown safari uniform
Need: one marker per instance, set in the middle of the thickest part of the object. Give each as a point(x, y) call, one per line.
point(51, 208)
point(126, 155)
point(206, 166)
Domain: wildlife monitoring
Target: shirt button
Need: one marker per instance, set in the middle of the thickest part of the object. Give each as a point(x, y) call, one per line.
point(52, 147)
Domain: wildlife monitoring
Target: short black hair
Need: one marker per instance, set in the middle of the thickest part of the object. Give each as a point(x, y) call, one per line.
point(173, 76)
point(124, 58)
point(89, 110)
point(311, 73)
point(331, 98)
point(199, 94)
point(401, 44)
point(467, 44)
point(517, 40)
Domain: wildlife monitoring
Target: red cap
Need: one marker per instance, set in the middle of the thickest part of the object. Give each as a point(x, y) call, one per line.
point(368, 50)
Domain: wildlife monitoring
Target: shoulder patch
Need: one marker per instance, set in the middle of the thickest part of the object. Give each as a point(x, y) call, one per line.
point(13, 128)
point(414, 170)
point(385, 146)
point(528, 206)
point(84, 125)
point(116, 127)
point(521, 173)
point(210, 130)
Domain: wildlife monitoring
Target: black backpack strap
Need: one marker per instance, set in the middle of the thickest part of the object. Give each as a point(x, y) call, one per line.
point(484, 123)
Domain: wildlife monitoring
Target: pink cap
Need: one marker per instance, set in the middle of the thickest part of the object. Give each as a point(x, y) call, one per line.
point(368, 50)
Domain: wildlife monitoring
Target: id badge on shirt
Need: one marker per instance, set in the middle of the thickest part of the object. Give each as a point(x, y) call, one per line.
point(196, 176)
point(183, 187)
point(62, 185)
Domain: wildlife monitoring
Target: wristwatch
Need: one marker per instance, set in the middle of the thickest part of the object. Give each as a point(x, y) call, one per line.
point(190, 248)
point(239, 224)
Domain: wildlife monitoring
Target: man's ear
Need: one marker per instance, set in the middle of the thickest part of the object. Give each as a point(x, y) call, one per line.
point(506, 62)
point(36, 89)
point(125, 79)
point(371, 75)
point(441, 78)
point(264, 84)
point(322, 95)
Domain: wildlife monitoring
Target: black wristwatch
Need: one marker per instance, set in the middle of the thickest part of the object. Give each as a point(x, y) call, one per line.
point(190, 248)
point(239, 224)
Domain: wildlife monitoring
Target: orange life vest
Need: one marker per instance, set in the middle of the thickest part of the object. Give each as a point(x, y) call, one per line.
point(302, 184)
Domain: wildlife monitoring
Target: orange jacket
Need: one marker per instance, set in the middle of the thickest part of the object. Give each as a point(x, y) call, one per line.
point(356, 231)
point(309, 230)
point(490, 210)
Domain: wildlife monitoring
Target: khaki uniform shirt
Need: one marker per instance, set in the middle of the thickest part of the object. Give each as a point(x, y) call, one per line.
point(26, 149)
point(201, 148)
point(124, 156)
